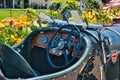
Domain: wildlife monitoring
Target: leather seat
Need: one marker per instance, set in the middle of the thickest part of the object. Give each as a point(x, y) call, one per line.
point(13, 65)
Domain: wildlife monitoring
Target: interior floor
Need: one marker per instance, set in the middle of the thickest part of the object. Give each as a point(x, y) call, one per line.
point(39, 62)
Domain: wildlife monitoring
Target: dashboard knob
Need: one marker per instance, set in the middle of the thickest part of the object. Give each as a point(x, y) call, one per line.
point(60, 53)
point(54, 50)
point(67, 52)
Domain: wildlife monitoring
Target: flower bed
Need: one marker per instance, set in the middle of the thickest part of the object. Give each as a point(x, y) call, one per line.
point(99, 16)
point(14, 30)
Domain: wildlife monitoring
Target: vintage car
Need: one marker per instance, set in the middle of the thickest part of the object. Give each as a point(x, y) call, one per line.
point(64, 51)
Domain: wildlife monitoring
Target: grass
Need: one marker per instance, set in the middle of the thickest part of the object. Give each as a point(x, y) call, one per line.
point(6, 13)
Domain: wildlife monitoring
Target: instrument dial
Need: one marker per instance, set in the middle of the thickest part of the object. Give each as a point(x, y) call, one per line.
point(45, 39)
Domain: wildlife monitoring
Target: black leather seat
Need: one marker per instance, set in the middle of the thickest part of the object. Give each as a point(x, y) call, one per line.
point(13, 65)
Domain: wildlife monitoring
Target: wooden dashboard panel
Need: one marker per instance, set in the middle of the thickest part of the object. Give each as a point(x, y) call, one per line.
point(39, 41)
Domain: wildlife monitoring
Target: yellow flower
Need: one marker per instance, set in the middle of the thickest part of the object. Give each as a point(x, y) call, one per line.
point(19, 40)
point(6, 24)
point(12, 37)
point(1, 25)
point(22, 24)
point(5, 28)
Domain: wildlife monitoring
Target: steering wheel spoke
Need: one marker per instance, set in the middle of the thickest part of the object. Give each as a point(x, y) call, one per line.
point(69, 35)
point(66, 57)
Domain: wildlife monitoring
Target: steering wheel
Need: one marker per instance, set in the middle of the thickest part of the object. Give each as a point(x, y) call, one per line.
point(62, 46)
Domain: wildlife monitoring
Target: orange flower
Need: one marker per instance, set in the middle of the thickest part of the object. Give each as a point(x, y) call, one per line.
point(11, 22)
point(107, 21)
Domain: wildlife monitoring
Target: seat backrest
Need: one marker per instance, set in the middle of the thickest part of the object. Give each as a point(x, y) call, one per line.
point(13, 64)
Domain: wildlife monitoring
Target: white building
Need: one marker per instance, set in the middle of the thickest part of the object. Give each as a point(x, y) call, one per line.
point(21, 3)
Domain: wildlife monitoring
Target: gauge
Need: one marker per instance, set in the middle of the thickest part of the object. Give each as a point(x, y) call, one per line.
point(45, 39)
point(56, 40)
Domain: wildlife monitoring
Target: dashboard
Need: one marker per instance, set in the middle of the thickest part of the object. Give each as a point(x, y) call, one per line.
point(71, 45)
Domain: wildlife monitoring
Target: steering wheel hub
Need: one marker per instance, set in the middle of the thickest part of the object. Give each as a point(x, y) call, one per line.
point(61, 44)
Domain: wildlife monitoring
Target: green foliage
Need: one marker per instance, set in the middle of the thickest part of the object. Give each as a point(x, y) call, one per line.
point(58, 4)
point(69, 5)
point(54, 13)
point(31, 13)
point(72, 4)
point(91, 4)
point(58, 8)
point(23, 32)
point(55, 4)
